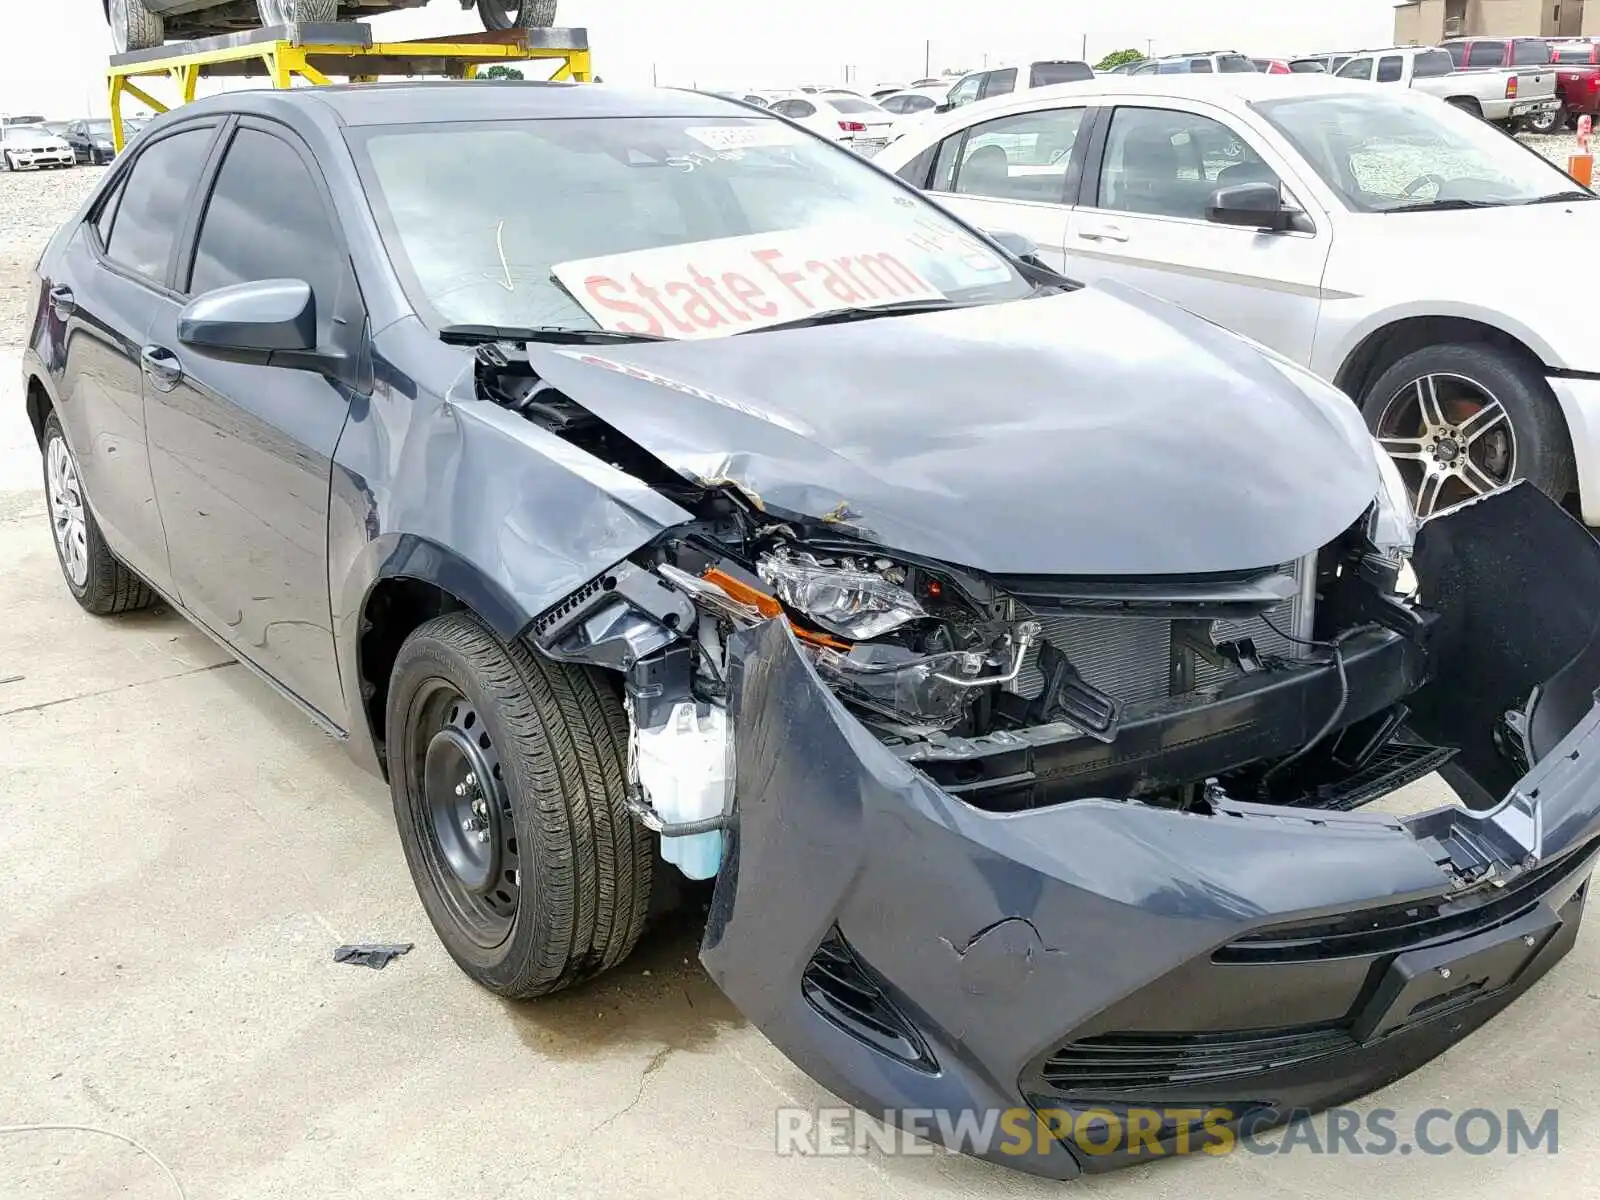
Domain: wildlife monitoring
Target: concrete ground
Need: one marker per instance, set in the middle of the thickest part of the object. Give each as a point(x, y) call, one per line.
point(181, 852)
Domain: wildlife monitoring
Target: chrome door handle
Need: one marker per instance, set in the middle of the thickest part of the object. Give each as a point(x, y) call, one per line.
point(1108, 233)
point(162, 366)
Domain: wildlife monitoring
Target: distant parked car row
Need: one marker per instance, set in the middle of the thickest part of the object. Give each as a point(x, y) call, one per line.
point(34, 143)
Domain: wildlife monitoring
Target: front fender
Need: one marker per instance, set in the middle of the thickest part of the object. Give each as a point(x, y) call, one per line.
point(474, 499)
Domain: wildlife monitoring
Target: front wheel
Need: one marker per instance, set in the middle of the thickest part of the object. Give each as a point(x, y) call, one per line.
point(509, 785)
point(1462, 421)
point(517, 14)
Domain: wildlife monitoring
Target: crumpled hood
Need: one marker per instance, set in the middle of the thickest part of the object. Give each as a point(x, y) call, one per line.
point(1096, 432)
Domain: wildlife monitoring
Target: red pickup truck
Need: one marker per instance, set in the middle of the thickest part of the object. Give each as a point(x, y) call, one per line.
point(1577, 78)
point(1577, 71)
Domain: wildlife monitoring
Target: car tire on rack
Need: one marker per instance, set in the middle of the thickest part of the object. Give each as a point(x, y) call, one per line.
point(97, 580)
point(517, 14)
point(282, 12)
point(133, 26)
point(508, 775)
point(1463, 420)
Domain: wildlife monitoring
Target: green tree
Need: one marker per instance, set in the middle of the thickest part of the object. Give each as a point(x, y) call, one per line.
point(499, 72)
point(1116, 58)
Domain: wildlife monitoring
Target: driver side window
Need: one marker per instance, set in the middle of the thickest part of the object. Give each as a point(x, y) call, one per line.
point(1164, 163)
point(265, 219)
point(1356, 68)
point(966, 91)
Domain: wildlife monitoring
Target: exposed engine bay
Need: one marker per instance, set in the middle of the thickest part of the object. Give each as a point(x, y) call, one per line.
point(1284, 684)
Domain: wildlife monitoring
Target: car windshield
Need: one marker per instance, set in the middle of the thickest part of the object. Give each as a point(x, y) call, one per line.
point(103, 128)
point(1389, 153)
point(616, 211)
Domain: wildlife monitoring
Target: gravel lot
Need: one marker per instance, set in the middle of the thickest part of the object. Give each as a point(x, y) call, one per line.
point(32, 205)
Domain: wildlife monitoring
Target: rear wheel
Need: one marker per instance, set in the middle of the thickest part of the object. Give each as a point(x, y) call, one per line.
point(97, 581)
point(517, 14)
point(507, 774)
point(1461, 421)
point(1546, 122)
point(133, 26)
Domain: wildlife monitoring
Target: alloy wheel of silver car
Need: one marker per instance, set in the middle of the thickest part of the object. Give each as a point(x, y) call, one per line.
point(1452, 439)
point(64, 495)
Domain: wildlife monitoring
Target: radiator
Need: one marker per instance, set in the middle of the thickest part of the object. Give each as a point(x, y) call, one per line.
point(1130, 658)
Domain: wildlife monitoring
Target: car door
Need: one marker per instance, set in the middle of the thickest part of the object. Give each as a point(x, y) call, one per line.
point(1014, 174)
point(242, 453)
point(114, 270)
point(76, 139)
point(1142, 221)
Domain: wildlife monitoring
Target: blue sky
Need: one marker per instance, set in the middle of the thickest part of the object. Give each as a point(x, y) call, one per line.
point(52, 51)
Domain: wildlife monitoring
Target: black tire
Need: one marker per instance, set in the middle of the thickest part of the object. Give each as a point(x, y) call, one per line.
point(517, 14)
point(133, 26)
point(1540, 447)
point(94, 576)
point(1546, 123)
point(282, 12)
point(567, 878)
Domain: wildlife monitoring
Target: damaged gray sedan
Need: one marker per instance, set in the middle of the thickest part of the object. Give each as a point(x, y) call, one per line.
point(1021, 660)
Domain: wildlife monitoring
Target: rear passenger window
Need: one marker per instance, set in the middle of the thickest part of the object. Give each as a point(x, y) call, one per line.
point(1025, 157)
point(108, 212)
point(1486, 54)
point(1389, 69)
point(266, 220)
point(1529, 52)
point(155, 201)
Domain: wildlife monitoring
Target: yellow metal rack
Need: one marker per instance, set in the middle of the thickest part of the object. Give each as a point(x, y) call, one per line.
point(318, 53)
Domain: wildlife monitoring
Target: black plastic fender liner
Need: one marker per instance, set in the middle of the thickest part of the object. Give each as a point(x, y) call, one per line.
point(1515, 582)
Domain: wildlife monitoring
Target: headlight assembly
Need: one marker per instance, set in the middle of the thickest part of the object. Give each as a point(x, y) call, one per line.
point(1392, 527)
point(852, 603)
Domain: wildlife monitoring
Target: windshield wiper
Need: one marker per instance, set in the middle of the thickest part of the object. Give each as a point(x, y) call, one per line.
point(1560, 198)
point(1446, 205)
point(559, 335)
point(864, 312)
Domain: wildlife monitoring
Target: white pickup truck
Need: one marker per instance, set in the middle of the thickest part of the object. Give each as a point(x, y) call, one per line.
point(1504, 95)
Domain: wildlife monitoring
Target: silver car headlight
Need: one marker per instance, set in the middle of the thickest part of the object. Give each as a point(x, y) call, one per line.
point(1392, 527)
point(843, 598)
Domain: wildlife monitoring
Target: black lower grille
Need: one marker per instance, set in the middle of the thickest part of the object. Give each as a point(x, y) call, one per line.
point(844, 990)
point(1391, 769)
point(1116, 1063)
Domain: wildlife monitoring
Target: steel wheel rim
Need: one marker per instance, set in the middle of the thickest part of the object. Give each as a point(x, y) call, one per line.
point(1452, 439)
point(462, 812)
point(68, 521)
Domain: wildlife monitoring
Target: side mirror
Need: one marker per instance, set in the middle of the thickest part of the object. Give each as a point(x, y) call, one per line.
point(1251, 205)
point(271, 322)
point(1015, 244)
point(943, 108)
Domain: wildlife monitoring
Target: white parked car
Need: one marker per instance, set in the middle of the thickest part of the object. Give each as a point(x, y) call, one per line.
point(851, 120)
point(1004, 81)
point(25, 147)
point(1365, 233)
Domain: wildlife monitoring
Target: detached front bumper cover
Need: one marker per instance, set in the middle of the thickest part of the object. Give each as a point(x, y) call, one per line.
point(912, 952)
